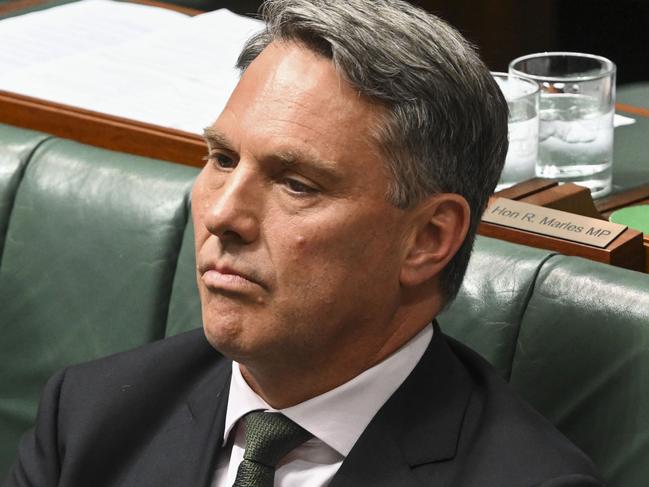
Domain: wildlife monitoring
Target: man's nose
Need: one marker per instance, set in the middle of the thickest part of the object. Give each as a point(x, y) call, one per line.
point(233, 211)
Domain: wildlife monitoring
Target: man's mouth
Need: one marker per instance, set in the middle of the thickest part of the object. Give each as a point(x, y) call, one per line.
point(224, 278)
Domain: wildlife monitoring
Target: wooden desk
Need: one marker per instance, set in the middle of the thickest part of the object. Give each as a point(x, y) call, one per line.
point(102, 130)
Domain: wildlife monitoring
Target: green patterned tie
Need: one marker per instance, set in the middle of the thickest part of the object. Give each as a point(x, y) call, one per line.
point(269, 438)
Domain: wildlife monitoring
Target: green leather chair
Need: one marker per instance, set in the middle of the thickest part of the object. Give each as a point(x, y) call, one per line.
point(96, 257)
point(88, 266)
point(572, 338)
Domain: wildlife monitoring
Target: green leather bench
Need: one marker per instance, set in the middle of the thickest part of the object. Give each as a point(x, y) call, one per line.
point(96, 256)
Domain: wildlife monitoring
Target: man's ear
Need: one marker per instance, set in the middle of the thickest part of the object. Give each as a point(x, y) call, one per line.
point(439, 226)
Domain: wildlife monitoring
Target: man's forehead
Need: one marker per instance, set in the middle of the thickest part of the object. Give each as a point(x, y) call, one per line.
point(289, 75)
point(290, 92)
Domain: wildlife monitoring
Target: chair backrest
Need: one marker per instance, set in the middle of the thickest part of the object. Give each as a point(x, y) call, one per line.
point(572, 338)
point(91, 244)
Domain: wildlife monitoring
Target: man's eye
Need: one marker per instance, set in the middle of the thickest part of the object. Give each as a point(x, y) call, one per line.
point(299, 187)
point(222, 161)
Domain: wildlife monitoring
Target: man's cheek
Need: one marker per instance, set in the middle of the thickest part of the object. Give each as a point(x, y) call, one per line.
point(300, 241)
point(311, 257)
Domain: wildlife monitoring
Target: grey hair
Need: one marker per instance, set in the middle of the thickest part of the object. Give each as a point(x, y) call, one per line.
point(445, 123)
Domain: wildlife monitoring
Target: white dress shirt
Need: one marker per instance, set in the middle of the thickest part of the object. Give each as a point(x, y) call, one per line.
point(336, 419)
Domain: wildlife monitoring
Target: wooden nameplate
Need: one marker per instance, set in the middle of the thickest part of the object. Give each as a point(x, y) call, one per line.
point(625, 250)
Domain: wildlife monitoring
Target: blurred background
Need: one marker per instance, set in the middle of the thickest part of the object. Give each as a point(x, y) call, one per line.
point(505, 29)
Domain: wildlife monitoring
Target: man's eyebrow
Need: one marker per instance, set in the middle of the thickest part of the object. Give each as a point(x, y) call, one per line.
point(293, 158)
point(290, 159)
point(214, 138)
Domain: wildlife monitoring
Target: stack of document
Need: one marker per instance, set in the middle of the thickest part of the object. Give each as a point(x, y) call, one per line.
point(139, 62)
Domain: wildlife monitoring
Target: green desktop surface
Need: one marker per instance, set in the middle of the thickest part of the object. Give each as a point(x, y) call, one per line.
point(636, 217)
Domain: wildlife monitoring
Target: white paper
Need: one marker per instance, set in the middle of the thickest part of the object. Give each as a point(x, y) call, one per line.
point(179, 75)
point(54, 33)
point(621, 120)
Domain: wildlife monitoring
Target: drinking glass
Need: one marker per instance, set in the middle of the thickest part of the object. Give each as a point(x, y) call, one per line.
point(576, 116)
point(523, 128)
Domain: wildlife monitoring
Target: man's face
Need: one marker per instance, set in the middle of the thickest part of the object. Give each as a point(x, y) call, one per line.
point(298, 251)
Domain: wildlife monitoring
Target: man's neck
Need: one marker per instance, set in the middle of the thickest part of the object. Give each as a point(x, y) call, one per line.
point(285, 383)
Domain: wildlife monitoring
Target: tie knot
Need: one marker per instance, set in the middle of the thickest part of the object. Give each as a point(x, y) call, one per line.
point(271, 436)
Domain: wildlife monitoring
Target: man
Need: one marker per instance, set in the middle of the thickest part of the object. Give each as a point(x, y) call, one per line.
point(333, 221)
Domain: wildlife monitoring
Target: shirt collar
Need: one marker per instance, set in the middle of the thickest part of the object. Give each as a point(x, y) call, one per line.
point(339, 416)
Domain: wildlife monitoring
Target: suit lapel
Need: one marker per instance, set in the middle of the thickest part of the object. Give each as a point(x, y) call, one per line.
point(417, 429)
point(409, 440)
point(186, 450)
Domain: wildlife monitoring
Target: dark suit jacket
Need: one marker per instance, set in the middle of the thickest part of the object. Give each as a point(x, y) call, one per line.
point(154, 417)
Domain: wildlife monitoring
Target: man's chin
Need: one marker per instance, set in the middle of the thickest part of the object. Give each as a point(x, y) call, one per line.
point(231, 340)
point(223, 338)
